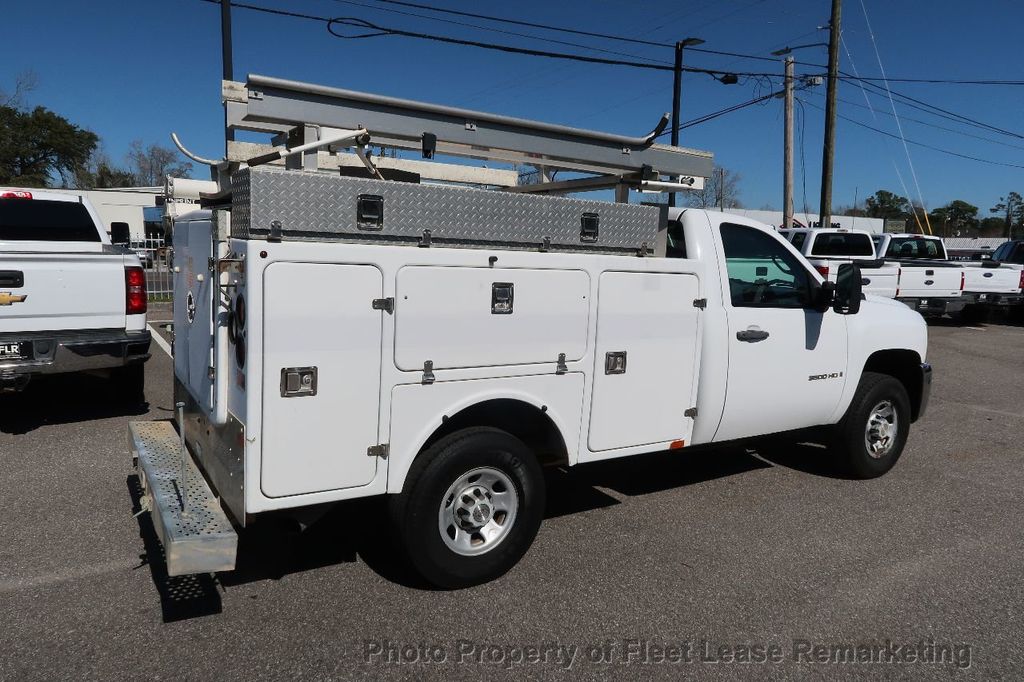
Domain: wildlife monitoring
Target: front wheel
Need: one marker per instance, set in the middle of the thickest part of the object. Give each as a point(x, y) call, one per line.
point(471, 507)
point(871, 436)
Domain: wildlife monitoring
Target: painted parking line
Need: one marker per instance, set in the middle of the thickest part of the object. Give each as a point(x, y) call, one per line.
point(158, 337)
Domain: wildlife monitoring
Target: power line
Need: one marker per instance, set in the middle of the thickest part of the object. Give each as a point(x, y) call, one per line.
point(921, 144)
point(362, 24)
point(934, 110)
point(721, 112)
point(488, 28)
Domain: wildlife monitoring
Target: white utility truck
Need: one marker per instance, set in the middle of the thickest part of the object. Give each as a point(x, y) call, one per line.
point(828, 248)
point(983, 284)
point(340, 337)
point(69, 300)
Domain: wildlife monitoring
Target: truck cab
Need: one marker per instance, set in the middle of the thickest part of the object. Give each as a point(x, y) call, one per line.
point(828, 248)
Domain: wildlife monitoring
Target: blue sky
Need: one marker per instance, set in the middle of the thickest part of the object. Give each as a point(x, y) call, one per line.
point(141, 70)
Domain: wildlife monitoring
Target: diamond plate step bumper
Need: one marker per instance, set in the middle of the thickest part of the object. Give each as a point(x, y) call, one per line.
point(199, 538)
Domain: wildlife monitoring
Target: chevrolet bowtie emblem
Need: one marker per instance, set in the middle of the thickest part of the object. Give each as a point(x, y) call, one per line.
point(7, 298)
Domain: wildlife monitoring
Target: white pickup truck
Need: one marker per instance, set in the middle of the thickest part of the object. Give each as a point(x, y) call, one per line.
point(928, 282)
point(69, 300)
point(982, 283)
point(345, 336)
point(828, 248)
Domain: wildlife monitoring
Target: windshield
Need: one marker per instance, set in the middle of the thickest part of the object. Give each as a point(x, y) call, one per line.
point(46, 221)
point(915, 247)
point(843, 244)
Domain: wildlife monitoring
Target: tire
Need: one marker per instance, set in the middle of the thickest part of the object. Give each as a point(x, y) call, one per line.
point(498, 481)
point(129, 384)
point(877, 396)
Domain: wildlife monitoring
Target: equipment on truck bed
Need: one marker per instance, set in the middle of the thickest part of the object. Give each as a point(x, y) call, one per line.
point(344, 331)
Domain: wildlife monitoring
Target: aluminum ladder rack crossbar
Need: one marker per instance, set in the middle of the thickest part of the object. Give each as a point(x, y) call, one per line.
point(275, 105)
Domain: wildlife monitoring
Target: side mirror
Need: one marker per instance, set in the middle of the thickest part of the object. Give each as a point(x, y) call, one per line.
point(848, 290)
point(120, 234)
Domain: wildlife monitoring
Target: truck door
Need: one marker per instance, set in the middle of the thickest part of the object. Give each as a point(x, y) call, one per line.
point(321, 376)
point(787, 362)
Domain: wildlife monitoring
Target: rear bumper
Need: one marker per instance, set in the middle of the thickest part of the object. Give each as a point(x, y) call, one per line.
point(999, 300)
point(196, 534)
point(76, 351)
point(935, 306)
point(926, 389)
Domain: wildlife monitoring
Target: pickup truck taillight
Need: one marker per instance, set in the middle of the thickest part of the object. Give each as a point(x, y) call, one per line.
point(16, 194)
point(1021, 283)
point(963, 279)
point(822, 270)
point(134, 290)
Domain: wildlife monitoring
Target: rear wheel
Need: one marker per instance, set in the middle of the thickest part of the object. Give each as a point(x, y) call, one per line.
point(870, 438)
point(129, 383)
point(471, 507)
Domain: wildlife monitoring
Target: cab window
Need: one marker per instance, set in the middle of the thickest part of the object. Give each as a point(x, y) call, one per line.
point(798, 241)
point(762, 272)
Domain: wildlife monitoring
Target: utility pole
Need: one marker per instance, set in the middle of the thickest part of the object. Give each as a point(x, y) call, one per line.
point(828, 151)
point(677, 82)
point(787, 163)
point(225, 51)
point(721, 189)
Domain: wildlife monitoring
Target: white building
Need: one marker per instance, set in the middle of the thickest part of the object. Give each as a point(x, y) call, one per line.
point(875, 225)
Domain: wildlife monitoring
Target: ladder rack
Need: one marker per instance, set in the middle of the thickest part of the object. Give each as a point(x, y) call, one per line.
point(297, 112)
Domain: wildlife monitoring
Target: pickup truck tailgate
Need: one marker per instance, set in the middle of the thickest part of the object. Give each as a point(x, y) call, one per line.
point(57, 291)
point(932, 279)
point(988, 279)
point(880, 279)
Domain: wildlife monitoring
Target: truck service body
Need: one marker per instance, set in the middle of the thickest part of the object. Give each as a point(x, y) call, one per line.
point(69, 300)
point(340, 337)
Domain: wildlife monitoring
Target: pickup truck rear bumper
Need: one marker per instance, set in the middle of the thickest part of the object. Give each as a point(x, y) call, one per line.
point(74, 351)
point(999, 300)
point(935, 306)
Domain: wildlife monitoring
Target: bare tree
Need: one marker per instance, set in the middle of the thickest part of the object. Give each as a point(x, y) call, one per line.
point(721, 189)
point(150, 165)
point(24, 83)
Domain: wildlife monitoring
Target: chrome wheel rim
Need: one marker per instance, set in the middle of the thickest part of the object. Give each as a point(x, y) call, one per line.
point(478, 511)
point(881, 430)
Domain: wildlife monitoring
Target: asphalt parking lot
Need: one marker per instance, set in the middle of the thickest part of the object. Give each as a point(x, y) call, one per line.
point(708, 552)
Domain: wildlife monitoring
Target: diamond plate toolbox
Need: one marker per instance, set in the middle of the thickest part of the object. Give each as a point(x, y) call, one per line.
point(319, 206)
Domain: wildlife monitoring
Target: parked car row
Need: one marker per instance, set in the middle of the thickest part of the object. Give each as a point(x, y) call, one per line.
point(916, 270)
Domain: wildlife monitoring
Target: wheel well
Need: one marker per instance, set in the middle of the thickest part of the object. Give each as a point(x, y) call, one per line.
point(526, 422)
point(905, 367)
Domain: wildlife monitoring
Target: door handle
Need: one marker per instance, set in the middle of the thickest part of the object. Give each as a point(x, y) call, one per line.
point(752, 335)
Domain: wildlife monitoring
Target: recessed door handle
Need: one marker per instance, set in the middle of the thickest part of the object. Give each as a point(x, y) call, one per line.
point(752, 335)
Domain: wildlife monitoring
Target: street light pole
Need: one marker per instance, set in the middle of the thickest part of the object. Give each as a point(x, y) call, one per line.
point(787, 163)
point(828, 150)
point(225, 51)
point(677, 82)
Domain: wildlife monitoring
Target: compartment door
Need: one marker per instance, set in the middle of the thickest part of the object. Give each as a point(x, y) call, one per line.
point(645, 373)
point(318, 323)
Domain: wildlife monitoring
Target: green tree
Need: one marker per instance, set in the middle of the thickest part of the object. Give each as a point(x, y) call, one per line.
point(956, 218)
point(884, 204)
point(38, 146)
point(1012, 209)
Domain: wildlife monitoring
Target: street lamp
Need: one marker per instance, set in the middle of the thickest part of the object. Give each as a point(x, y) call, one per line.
point(676, 86)
point(787, 50)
